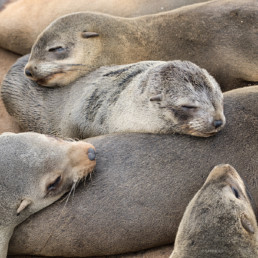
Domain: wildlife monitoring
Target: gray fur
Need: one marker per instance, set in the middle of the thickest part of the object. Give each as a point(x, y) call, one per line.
point(219, 221)
point(117, 99)
point(30, 163)
point(141, 187)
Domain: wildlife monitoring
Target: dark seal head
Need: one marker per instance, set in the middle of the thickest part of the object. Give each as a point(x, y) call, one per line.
point(36, 170)
point(219, 221)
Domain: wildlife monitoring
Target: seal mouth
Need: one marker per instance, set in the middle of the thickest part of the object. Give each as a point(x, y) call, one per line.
point(45, 81)
point(202, 134)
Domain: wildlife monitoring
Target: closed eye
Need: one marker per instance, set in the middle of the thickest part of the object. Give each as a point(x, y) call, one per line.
point(188, 107)
point(56, 49)
point(54, 185)
point(236, 193)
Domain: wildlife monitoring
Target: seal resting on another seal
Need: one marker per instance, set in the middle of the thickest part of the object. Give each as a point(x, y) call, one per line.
point(219, 221)
point(220, 36)
point(36, 170)
point(18, 33)
point(147, 97)
point(141, 187)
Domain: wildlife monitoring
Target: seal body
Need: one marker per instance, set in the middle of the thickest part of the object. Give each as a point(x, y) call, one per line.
point(219, 221)
point(148, 97)
point(78, 43)
point(142, 185)
point(36, 170)
point(15, 27)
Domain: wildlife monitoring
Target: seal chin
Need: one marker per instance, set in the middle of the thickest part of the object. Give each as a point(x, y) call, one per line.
point(50, 80)
point(202, 134)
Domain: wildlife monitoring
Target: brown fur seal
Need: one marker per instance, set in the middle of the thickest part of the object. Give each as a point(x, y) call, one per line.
point(141, 187)
point(18, 33)
point(219, 36)
point(146, 97)
point(219, 221)
point(36, 170)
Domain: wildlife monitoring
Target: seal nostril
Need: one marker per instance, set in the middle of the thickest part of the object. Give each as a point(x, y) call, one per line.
point(28, 73)
point(217, 123)
point(91, 154)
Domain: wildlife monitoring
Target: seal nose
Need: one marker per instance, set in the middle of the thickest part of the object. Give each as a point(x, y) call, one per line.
point(217, 123)
point(28, 73)
point(91, 154)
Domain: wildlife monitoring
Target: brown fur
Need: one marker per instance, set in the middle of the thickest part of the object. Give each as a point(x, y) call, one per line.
point(36, 170)
point(219, 221)
point(141, 187)
point(18, 32)
point(219, 36)
point(7, 123)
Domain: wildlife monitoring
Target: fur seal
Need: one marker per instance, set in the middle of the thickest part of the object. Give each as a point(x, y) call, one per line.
point(36, 170)
point(141, 187)
point(18, 33)
point(219, 221)
point(147, 97)
point(220, 36)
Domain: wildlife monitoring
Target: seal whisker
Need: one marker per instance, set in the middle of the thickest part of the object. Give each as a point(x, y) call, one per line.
point(61, 213)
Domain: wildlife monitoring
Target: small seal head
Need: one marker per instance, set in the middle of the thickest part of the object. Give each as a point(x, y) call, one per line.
point(57, 60)
point(36, 170)
point(189, 97)
point(219, 221)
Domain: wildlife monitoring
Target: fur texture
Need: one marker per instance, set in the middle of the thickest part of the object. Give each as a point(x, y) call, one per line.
point(146, 97)
point(141, 187)
point(36, 170)
point(219, 221)
point(219, 36)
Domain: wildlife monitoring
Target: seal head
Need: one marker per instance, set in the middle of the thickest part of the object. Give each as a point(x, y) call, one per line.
point(219, 221)
point(36, 170)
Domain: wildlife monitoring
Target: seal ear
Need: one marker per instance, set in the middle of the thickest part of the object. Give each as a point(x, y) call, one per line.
point(24, 204)
point(158, 97)
point(246, 223)
point(88, 34)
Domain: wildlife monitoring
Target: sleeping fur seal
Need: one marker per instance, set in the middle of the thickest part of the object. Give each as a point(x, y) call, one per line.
point(18, 33)
point(219, 221)
point(147, 97)
point(36, 170)
point(220, 36)
point(141, 187)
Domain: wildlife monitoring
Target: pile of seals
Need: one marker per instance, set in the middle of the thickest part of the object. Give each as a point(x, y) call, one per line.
point(90, 74)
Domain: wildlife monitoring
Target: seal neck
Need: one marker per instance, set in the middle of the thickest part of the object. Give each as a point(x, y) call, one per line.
point(5, 236)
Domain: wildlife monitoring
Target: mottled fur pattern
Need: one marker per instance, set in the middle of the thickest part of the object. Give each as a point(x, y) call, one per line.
point(112, 99)
point(219, 221)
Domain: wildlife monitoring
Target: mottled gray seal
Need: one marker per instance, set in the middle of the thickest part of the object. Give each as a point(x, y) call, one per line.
point(219, 221)
point(147, 97)
point(36, 170)
point(18, 33)
point(220, 36)
point(141, 187)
